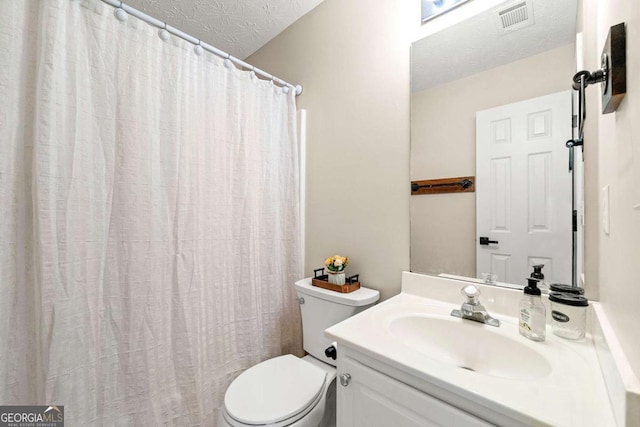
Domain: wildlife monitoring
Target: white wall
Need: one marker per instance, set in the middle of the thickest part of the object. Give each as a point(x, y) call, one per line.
point(443, 135)
point(617, 142)
point(353, 59)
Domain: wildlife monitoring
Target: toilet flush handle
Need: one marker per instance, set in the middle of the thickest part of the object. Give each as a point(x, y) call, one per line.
point(345, 379)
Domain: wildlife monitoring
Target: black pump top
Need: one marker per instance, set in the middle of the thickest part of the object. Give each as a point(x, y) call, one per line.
point(537, 272)
point(532, 286)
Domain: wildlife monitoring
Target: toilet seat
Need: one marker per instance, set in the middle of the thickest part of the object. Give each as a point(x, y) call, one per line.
point(276, 392)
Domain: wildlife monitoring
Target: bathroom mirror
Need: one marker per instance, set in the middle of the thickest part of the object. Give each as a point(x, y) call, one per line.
point(490, 58)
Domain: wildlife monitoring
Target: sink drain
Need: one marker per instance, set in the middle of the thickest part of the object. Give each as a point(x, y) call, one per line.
point(467, 368)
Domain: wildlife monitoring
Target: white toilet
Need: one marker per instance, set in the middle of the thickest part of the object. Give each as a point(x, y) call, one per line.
point(292, 391)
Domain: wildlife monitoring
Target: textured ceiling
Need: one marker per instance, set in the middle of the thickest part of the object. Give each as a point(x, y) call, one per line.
point(475, 44)
point(239, 27)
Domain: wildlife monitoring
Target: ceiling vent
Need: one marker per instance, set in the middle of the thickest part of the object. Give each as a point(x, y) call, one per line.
point(514, 17)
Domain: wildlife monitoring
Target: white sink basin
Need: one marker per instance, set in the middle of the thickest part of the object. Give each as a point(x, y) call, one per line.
point(469, 345)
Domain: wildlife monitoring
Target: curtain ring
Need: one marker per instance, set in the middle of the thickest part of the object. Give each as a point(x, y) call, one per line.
point(164, 34)
point(120, 14)
point(199, 50)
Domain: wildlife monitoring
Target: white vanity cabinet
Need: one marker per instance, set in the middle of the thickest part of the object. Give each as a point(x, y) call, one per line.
point(413, 364)
point(369, 398)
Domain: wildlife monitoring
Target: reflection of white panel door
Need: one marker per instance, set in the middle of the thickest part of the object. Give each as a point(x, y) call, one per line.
point(523, 189)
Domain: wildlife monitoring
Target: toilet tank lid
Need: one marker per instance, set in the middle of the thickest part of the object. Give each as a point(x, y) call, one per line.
point(363, 296)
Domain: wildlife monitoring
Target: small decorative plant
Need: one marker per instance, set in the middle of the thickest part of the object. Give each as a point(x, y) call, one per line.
point(336, 263)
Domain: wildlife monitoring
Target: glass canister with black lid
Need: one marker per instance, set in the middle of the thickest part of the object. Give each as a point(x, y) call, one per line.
point(568, 315)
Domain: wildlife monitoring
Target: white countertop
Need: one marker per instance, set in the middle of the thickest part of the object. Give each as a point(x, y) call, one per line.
point(573, 393)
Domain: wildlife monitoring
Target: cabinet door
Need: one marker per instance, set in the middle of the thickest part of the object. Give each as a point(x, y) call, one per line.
point(373, 399)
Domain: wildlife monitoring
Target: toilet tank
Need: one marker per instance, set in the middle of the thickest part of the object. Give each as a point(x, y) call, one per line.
point(322, 308)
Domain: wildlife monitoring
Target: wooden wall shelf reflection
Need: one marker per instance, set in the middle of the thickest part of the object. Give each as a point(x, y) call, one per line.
point(463, 184)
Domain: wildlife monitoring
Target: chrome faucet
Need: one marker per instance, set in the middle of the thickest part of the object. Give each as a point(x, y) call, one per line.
point(472, 309)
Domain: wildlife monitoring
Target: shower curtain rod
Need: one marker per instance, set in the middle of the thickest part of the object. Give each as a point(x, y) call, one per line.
point(197, 42)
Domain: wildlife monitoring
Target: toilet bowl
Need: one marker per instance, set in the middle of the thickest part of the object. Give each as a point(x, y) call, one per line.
point(291, 391)
point(283, 391)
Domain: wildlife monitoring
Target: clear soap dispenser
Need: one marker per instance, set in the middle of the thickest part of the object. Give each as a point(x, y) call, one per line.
point(533, 314)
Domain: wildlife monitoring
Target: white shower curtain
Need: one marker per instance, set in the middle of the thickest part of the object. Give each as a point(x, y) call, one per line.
point(149, 219)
